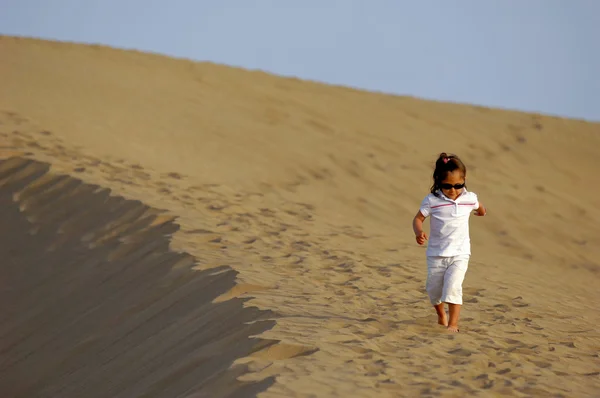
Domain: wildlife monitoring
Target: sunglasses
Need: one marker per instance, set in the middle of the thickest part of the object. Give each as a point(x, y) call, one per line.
point(449, 186)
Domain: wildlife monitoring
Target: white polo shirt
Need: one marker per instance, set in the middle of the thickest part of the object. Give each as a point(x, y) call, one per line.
point(449, 223)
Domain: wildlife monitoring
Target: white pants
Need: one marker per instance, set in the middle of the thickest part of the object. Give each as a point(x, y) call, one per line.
point(445, 276)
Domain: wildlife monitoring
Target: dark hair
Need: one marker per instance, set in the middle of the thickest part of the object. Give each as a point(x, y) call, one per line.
point(446, 164)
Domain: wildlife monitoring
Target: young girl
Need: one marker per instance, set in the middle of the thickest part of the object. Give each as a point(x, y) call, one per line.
point(449, 204)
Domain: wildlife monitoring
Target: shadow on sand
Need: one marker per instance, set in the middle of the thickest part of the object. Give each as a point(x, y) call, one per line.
point(94, 304)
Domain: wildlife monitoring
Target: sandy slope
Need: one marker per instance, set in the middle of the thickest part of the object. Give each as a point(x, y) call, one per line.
point(308, 191)
point(94, 304)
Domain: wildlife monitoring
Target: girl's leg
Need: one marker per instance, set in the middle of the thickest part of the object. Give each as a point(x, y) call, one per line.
point(434, 286)
point(441, 313)
point(452, 293)
point(454, 310)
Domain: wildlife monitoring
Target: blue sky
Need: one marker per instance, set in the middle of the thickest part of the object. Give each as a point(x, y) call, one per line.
point(532, 55)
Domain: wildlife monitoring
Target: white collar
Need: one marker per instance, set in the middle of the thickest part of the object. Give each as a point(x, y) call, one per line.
point(443, 196)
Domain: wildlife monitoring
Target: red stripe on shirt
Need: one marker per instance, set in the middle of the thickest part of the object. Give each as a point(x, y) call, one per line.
point(435, 207)
point(450, 204)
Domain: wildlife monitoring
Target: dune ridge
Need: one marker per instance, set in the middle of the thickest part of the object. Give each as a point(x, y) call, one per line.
point(308, 191)
point(95, 305)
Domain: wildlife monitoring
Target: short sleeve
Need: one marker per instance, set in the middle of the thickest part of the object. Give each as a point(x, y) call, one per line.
point(474, 200)
point(425, 208)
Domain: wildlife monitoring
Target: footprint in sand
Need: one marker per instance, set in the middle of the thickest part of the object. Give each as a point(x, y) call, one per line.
point(217, 206)
point(518, 302)
point(175, 176)
point(461, 352)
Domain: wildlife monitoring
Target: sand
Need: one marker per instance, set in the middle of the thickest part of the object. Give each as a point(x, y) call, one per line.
point(300, 196)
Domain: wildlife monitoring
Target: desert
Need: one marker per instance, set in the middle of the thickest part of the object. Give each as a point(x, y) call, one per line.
point(179, 228)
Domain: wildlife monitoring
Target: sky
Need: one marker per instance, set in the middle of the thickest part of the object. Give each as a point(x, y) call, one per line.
point(536, 55)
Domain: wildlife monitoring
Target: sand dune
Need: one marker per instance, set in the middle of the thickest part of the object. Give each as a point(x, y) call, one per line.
point(304, 193)
point(96, 305)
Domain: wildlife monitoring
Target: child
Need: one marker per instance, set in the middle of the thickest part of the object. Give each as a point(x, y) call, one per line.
point(449, 204)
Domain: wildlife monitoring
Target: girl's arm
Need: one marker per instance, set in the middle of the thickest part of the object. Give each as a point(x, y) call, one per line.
point(420, 235)
point(481, 211)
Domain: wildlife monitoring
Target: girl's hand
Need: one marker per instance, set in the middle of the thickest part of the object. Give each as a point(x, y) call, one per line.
point(421, 238)
point(480, 211)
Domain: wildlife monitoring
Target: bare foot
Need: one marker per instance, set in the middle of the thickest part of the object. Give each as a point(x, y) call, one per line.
point(453, 328)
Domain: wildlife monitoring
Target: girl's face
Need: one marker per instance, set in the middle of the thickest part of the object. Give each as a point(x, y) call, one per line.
point(453, 185)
